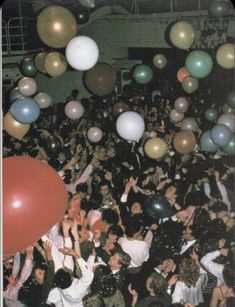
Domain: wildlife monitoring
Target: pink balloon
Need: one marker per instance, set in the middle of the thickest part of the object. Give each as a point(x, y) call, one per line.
point(74, 109)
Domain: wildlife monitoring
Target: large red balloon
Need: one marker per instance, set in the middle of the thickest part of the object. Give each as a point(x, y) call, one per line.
point(34, 199)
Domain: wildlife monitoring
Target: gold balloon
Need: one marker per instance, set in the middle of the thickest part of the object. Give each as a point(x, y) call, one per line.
point(39, 62)
point(155, 148)
point(176, 116)
point(119, 108)
point(182, 35)
point(56, 26)
point(159, 61)
point(184, 141)
point(13, 127)
point(55, 64)
point(225, 56)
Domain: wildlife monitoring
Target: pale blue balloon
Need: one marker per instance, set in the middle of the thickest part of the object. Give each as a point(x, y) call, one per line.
point(220, 135)
point(25, 110)
point(206, 143)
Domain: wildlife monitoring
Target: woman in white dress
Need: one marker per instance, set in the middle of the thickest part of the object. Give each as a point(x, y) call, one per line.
point(192, 279)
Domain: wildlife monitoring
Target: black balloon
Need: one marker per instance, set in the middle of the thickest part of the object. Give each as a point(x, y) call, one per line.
point(53, 145)
point(82, 17)
point(157, 206)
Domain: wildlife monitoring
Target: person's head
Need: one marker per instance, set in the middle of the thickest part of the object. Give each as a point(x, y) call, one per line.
point(119, 260)
point(81, 189)
point(114, 233)
point(110, 217)
point(39, 274)
point(170, 192)
point(157, 285)
point(36, 154)
point(110, 152)
point(189, 271)
point(95, 202)
point(188, 233)
point(61, 156)
point(136, 208)
point(163, 261)
point(133, 229)
point(63, 279)
point(104, 188)
point(93, 300)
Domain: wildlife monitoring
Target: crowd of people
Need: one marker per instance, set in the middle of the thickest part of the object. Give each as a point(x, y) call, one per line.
point(107, 250)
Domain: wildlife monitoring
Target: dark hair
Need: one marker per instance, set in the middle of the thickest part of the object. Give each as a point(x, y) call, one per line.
point(105, 182)
point(110, 216)
point(219, 206)
point(81, 187)
point(116, 230)
point(229, 275)
point(62, 279)
point(132, 228)
point(95, 201)
point(33, 153)
point(196, 198)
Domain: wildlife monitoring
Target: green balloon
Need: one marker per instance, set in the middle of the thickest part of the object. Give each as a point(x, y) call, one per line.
point(143, 74)
point(230, 147)
point(27, 68)
point(199, 63)
point(211, 114)
point(219, 8)
point(231, 98)
point(190, 84)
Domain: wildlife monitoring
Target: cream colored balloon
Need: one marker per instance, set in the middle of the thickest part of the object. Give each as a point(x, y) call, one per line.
point(155, 148)
point(14, 128)
point(225, 56)
point(182, 35)
point(39, 61)
point(55, 64)
point(159, 61)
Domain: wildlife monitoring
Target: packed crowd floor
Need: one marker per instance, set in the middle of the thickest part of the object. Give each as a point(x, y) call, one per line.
point(107, 250)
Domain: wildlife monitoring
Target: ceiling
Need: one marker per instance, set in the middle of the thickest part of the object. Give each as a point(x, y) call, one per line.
point(15, 8)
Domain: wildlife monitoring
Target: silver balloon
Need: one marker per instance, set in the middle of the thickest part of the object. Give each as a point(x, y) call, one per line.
point(74, 110)
point(181, 104)
point(94, 134)
point(43, 99)
point(227, 120)
point(189, 123)
point(27, 86)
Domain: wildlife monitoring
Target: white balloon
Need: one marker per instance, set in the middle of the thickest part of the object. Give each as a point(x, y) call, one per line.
point(43, 99)
point(94, 134)
point(82, 53)
point(74, 109)
point(130, 126)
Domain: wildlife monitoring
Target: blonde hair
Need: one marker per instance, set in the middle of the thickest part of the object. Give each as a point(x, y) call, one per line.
point(189, 272)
